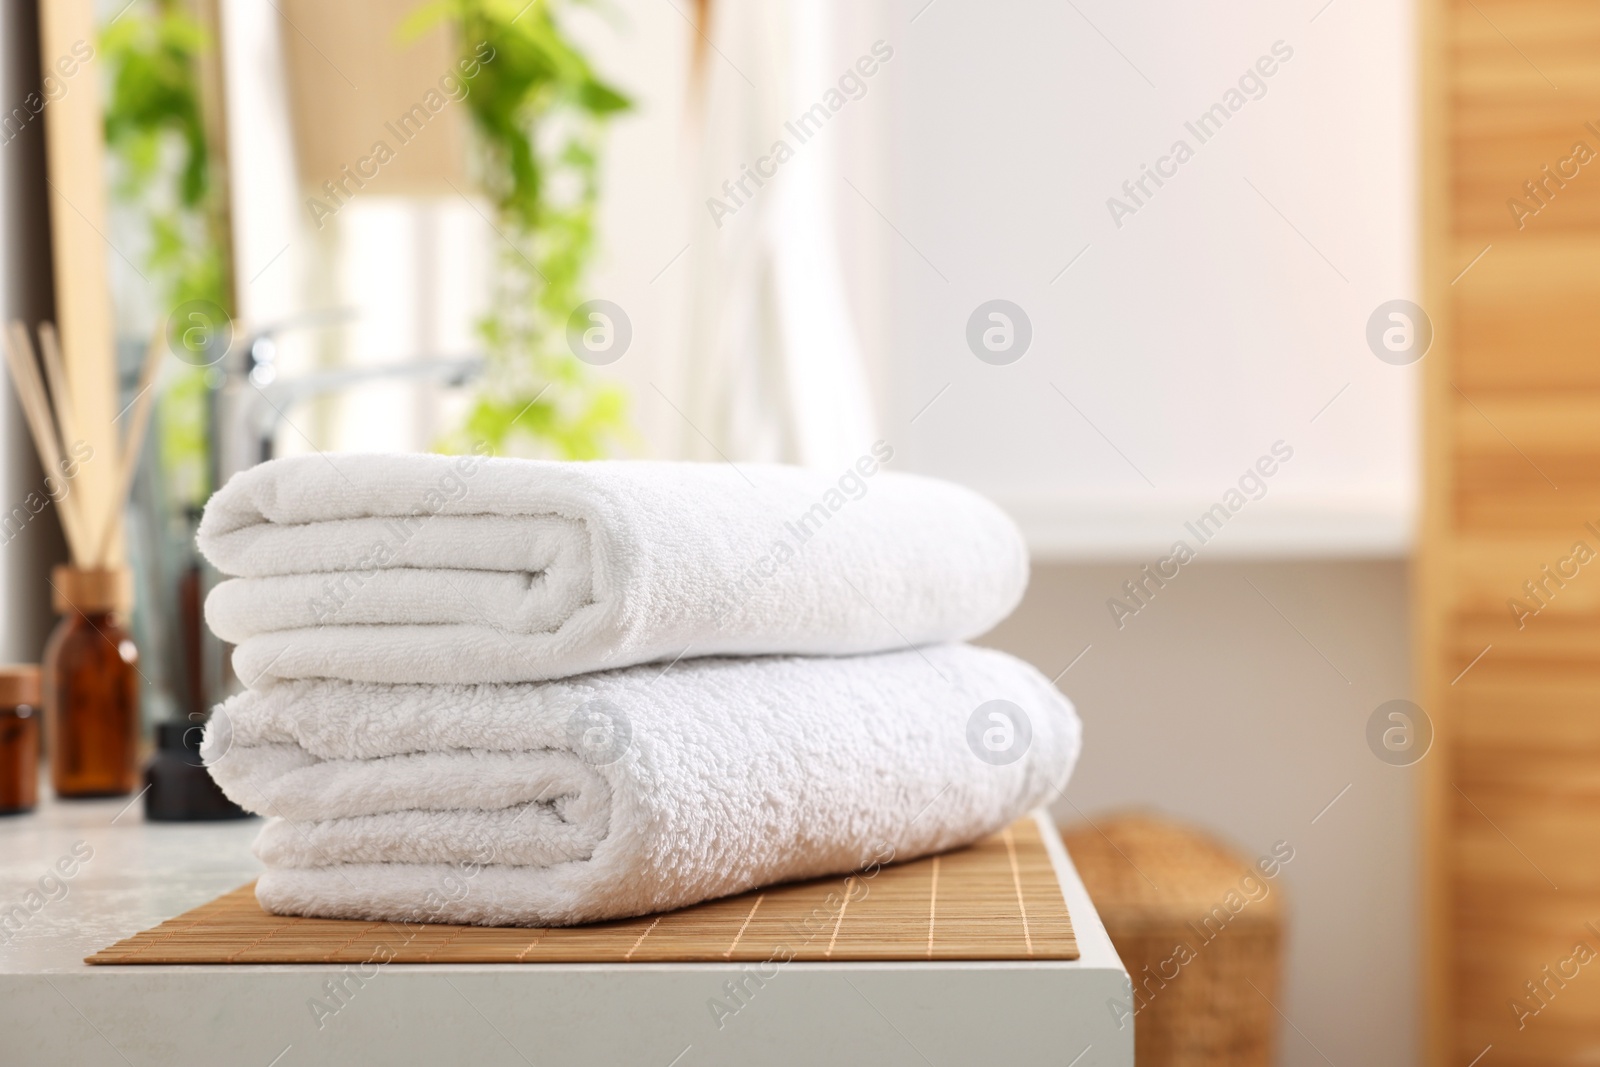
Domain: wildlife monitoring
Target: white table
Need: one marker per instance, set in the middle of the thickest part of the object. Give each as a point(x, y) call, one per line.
point(54, 1009)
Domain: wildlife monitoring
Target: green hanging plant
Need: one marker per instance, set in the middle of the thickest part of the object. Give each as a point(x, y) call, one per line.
point(156, 138)
point(539, 111)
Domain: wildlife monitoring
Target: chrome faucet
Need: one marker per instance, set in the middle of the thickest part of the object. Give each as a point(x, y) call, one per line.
point(250, 398)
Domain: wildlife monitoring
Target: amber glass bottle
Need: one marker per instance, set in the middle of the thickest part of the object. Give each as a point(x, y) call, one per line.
point(91, 686)
point(19, 739)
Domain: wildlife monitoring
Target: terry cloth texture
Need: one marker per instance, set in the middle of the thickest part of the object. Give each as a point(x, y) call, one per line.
point(635, 790)
point(441, 569)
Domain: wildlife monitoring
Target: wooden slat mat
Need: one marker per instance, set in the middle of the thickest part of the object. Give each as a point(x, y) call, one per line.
point(997, 900)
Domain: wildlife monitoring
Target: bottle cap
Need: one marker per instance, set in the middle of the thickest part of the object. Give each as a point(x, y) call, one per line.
point(19, 684)
point(91, 589)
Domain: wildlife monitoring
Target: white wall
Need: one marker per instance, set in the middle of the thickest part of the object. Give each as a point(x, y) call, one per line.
point(1204, 328)
point(1212, 708)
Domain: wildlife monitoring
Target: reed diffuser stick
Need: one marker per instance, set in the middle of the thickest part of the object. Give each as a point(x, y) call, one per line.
point(66, 413)
point(36, 409)
point(55, 376)
point(128, 463)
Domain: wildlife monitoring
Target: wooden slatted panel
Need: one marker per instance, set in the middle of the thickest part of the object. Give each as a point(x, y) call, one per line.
point(1513, 482)
point(1526, 463)
point(1524, 317)
point(1492, 571)
point(1554, 713)
point(1523, 84)
point(997, 900)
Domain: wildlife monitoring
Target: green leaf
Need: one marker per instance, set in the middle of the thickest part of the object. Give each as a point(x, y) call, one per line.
point(539, 113)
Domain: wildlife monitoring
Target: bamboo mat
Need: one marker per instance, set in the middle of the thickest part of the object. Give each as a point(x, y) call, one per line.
point(996, 900)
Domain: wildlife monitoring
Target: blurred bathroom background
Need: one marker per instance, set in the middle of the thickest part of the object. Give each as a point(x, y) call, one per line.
point(798, 305)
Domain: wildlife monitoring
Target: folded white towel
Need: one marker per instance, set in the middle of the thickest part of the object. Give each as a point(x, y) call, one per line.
point(634, 790)
point(419, 568)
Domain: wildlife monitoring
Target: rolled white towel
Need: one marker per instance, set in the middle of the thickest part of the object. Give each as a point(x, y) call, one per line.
point(634, 790)
point(424, 568)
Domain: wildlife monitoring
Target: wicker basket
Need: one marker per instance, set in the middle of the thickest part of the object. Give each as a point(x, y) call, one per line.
point(1197, 925)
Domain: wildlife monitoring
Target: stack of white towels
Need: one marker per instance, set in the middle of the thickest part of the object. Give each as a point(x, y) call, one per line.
point(513, 692)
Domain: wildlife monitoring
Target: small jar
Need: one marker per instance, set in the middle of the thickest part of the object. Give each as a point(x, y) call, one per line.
point(178, 788)
point(19, 739)
point(91, 686)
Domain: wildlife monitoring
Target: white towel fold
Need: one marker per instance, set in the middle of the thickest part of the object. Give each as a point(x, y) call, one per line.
point(418, 568)
point(635, 790)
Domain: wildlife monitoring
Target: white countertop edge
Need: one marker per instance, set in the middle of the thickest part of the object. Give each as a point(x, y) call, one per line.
point(1094, 944)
